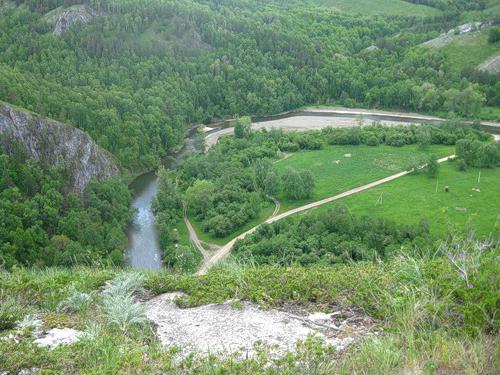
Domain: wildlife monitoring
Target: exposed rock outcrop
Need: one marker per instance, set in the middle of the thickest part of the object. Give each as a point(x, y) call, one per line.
point(54, 143)
point(456, 34)
point(235, 327)
point(372, 48)
point(67, 17)
point(491, 65)
point(57, 336)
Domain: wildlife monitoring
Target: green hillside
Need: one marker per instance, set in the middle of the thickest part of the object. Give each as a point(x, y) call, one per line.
point(380, 7)
point(470, 50)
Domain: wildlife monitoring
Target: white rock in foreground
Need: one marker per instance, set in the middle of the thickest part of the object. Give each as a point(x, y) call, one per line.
point(57, 336)
point(226, 329)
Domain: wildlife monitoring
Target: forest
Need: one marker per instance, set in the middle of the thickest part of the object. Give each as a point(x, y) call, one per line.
point(330, 237)
point(42, 224)
point(137, 75)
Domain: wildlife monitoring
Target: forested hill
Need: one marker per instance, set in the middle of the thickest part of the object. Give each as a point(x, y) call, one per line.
point(135, 73)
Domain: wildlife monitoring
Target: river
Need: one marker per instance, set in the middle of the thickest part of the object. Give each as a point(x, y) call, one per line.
point(144, 249)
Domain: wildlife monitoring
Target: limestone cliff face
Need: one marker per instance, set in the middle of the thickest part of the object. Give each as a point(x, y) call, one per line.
point(55, 143)
point(76, 13)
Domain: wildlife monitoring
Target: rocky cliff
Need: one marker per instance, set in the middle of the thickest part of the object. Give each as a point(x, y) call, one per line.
point(55, 143)
point(64, 19)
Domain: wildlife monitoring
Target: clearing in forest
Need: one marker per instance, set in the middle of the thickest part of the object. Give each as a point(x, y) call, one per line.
point(471, 201)
point(380, 7)
point(335, 173)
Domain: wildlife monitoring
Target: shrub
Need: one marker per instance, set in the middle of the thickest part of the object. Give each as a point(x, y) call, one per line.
point(123, 311)
point(395, 139)
point(494, 35)
point(183, 258)
point(119, 305)
point(461, 165)
point(10, 313)
point(125, 284)
point(432, 166)
point(297, 185)
point(76, 301)
point(349, 136)
point(289, 147)
point(489, 155)
point(372, 140)
point(29, 324)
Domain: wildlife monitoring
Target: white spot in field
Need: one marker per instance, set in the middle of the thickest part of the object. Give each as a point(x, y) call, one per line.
point(57, 336)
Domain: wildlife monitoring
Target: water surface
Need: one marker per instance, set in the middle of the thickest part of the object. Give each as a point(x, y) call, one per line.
point(144, 247)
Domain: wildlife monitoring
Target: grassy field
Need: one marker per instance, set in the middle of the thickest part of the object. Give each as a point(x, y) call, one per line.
point(380, 7)
point(367, 164)
point(490, 113)
point(413, 197)
point(469, 50)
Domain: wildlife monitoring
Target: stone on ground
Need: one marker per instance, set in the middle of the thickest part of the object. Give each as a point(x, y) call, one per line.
point(235, 327)
point(57, 336)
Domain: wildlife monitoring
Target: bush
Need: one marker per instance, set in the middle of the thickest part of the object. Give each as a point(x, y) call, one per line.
point(119, 305)
point(478, 154)
point(372, 140)
point(349, 136)
point(10, 313)
point(182, 258)
point(76, 301)
point(297, 185)
point(395, 139)
point(461, 165)
point(125, 284)
point(494, 35)
point(432, 166)
point(123, 311)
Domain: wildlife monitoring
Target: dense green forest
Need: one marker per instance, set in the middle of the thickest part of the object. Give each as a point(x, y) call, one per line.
point(334, 236)
point(44, 225)
point(141, 71)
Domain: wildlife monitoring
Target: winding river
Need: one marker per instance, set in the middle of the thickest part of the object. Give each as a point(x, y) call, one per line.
point(144, 249)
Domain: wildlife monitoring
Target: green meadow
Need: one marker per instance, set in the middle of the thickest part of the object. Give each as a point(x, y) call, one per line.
point(418, 196)
point(335, 173)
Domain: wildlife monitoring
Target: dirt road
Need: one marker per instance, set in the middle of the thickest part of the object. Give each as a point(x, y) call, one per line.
point(193, 236)
point(277, 206)
point(196, 241)
point(226, 249)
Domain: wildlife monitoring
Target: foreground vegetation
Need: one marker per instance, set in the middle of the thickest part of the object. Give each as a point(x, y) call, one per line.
point(437, 318)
